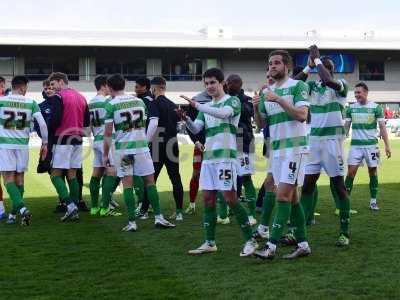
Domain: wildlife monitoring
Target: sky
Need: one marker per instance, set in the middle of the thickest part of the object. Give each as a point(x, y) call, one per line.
point(252, 17)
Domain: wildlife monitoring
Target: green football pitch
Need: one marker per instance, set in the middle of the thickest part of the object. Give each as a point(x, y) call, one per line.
point(93, 259)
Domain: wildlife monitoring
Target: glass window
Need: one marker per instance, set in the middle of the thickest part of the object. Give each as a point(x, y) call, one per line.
point(372, 71)
point(39, 68)
point(131, 69)
point(7, 65)
point(182, 69)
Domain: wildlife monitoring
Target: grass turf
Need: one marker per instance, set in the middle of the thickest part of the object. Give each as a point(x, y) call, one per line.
point(94, 259)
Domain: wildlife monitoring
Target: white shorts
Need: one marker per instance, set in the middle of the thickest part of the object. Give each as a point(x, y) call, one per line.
point(327, 155)
point(14, 160)
point(67, 157)
point(98, 157)
point(371, 155)
point(139, 164)
point(289, 169)
point(245, 164)
point(218, 176)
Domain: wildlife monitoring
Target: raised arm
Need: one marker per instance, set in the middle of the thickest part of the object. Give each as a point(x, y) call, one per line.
point(323, 72)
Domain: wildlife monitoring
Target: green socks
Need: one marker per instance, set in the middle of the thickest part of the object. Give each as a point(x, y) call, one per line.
point(243, 220)
point(209, 222)
point(373, 186)
point(306, 201)
point(107, 190)
point(348, 183)
point(15, 196)
point(335, 194)
point(138, 184)
point(313, 206)
point(281, 217)
point(298, 222)
point(73, 189)
point(129, 199)
point(94, 187)
point(154, 200)
point(344, 216)
point(61, 188)
point(250, 194)
point(222, 206)
point(21, 190)
point(267, 208)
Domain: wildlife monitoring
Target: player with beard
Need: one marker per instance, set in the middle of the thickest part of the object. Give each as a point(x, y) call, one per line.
point(284, 107)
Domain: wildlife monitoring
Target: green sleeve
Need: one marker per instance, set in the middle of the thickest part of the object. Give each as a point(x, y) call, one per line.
point(109, 111)
point(200, 117)
point(379, 112)
point(301, 92)
point(348, 112)
point(261, 106)
point(234, 102)
point(35, 107)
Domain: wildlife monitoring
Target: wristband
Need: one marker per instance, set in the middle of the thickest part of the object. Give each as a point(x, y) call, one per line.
point(317, 61)
point(306, 70)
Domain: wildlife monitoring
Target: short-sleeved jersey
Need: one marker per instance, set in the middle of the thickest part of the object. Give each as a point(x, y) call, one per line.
point(16, 118)
point(364, 119)
point(129, 115)
point(287, 135)
point(326, 106)
point(97, 109)
point(220, 142)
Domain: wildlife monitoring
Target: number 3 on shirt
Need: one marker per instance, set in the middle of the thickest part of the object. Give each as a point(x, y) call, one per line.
point(132, 120)
point(19, 124)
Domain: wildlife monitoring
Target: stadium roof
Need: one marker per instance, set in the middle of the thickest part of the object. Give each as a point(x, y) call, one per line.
point(204, 38)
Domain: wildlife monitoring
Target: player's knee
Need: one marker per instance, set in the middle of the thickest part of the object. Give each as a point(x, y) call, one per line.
point(372, 171)
point(269, 185)
point(351, 172)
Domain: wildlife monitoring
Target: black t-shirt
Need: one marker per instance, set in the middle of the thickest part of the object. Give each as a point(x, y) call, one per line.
point(152, 109)
point(168, 118)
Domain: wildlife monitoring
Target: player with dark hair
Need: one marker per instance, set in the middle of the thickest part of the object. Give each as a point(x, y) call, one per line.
point(17, 113)
point(220, 118)
point(364, 116)
point(327, 98)
point(284, 107)
point(128, 115)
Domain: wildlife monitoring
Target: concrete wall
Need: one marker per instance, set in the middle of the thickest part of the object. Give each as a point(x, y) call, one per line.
point(250, 64)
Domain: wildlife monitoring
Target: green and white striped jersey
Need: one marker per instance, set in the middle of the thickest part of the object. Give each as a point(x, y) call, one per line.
point(220, 142)
point(129, 115)
point(16, 117)
point(97, 109)
point(287, 135)
point(326, 106)
point(364, 120)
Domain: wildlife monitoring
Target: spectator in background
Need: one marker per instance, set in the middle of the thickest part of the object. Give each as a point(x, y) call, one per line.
point(388, 113)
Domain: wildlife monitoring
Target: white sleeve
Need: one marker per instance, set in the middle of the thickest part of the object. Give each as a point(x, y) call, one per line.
point(43, 127)
point(194, 127)
point(217, 112)
point(151, 129)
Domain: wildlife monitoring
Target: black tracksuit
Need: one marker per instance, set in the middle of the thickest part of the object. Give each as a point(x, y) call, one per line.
point(245, 136)
point(165, 150)
point(51, 109)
